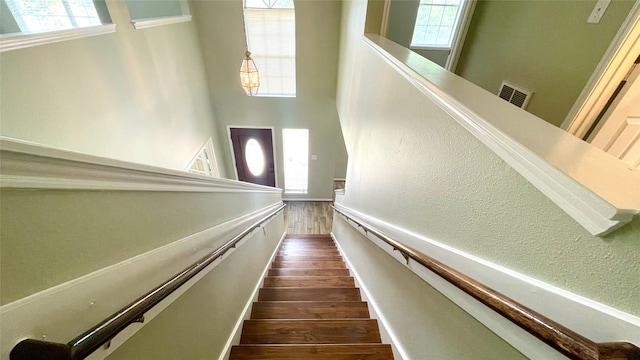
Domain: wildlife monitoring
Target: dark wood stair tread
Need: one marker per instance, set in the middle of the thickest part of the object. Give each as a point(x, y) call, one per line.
point(310, 310)
point(298, 257)
point(309, 294)
point(308, 272)
point(309, 281)
point(340, 331)
point(312, 352)
point(313, 264)
point(308, 236)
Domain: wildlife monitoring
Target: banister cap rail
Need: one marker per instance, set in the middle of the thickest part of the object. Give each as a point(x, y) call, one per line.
point(559, 337)
point(86, 343)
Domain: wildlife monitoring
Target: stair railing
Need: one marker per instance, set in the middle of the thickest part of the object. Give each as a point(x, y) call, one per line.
point(102, 333)
point(559, 337)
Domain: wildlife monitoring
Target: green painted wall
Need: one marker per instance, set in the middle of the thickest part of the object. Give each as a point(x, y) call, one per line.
point(8, 24)
point(543, 46)
point(134, 95)
point(433, 178)
point(223, 45)
point(49, 237)
point(198, 324)
point(152, 9)
point(375, 11)
point(402, 20)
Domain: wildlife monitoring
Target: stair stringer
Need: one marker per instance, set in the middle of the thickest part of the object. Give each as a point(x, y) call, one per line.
point(385, 334)
point(234, 337)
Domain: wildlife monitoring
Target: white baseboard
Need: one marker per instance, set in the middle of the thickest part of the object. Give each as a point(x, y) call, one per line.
point(387, 336)
point(234, 337)
point(598, 322)
point(62, 312)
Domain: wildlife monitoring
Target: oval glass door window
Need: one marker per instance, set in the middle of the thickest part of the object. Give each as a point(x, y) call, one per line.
point(255, 157)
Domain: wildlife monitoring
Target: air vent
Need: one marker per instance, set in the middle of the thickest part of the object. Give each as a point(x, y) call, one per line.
point(514, 94)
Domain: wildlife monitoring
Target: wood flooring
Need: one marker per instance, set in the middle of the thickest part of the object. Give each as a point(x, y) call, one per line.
point(309, 308)
point(308, 217)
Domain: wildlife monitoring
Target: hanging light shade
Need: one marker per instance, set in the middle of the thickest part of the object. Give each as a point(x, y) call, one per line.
point(249, 77)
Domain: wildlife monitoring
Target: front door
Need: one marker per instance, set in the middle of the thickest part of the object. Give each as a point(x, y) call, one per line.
point(253, 154)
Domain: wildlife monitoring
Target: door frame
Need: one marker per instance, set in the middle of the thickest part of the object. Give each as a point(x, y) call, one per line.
point(273, 144)
point(611, 70)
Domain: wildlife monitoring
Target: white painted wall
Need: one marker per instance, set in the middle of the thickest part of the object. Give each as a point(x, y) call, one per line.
point(412, 165)
point(133, 95)
point(423, 323)
point(82, 237)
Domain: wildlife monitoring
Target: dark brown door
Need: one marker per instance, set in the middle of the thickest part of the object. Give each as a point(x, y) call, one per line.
point(253, 151)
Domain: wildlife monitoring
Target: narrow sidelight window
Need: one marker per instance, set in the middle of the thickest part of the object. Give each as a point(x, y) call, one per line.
point(296, 160)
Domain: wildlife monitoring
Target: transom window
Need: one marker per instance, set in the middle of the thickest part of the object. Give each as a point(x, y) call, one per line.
point(271, 36)
point(48, 15)
point(436, 23)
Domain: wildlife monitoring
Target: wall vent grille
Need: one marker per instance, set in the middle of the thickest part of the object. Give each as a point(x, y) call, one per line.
point(515, 94)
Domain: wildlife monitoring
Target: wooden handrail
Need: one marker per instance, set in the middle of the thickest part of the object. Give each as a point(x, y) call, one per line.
point(86, 343)
point(559, 337)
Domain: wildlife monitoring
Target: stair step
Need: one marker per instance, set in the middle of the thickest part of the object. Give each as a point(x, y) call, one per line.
point(308, 247)
point(313, 264)
point(309, 294)
point(314, 254)
point(315, 251)
point(309, 310)
point(343, 331)
point(308, 236)
point(280, 258)
point(308, 281)
point(312, 352)
point(308, 272)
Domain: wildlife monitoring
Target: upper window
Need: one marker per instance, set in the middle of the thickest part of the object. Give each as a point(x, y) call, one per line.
point(271, 36)
point(436, 23)
point(31, 16)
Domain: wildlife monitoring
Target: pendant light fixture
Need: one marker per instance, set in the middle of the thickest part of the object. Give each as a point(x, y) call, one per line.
point(249, 77)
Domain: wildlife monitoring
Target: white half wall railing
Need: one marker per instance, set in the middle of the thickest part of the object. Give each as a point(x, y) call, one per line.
point(598, 191)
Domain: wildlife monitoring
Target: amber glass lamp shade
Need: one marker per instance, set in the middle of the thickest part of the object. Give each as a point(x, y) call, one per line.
point(249, 78)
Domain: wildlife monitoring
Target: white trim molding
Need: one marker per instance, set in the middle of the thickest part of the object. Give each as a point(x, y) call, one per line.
point(25, 165)
point(21, 40)
point(598, 191)
point(152, 22)
point(596, 321)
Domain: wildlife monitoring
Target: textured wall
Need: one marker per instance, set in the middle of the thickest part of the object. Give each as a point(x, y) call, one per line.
point(133, 95)
point(49, 237)
point(199, 323)
point(412, 165)
point(511, 40)
point(426, 324)
point(223, 45)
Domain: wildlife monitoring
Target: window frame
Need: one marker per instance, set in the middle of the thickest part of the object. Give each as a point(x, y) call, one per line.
point(257, 56)
point(21, 40)
point(454, 27)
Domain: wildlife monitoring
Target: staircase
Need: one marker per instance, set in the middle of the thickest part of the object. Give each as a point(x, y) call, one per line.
point(309, 308)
